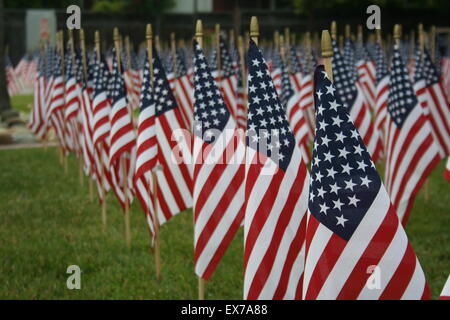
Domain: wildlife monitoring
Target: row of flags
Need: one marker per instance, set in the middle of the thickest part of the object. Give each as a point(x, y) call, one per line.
point(235, 147)
point(20, 78)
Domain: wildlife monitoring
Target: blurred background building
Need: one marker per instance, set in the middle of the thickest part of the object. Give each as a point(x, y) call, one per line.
point(24, 25)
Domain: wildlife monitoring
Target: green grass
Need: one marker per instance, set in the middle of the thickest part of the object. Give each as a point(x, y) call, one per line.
point(48, 223)
point(22, 103)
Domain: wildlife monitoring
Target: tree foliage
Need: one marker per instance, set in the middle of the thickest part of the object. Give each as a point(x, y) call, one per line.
point(148, 6)
point(311, 6)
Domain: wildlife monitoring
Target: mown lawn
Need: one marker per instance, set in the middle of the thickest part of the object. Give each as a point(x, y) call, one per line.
point(48, 223)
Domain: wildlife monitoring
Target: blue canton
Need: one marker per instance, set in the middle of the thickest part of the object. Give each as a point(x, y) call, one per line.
point(210, 113)
point(268, 130)
point(402, 98)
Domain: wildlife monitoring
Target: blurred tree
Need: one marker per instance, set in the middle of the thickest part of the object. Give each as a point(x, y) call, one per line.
point(144, 6)
point(5, 103)
point(21, 4)
point(154, 6)
point(314, 6)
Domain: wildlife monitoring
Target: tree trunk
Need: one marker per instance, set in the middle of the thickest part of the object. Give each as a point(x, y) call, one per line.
point(5, 103)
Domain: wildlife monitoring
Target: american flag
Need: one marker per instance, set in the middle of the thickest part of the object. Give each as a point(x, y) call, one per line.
point(438, 105)
point(37, 123)
point(49, 58)
point(26, 72)
point(276, 192)
point(296, 116)
point(228, 79)
point(352, 229)
point(11, 78)
point(73, 75)
point(147, 150)
point(276, 70)
point(411, 153)
point(122, 137)
point(350, 93)
point(55, 115)
point(241, 102)
point(307, 91)
point(184, 89)
point(445, 294)
point(174, 149)
point(132, 79)
point(446, 70)
point(86, 118)
point(382, 90)
point(447, 170)
point(349, 58)
point(366, 74)
point(295, 68)
point(219, 171)
point(101, 105)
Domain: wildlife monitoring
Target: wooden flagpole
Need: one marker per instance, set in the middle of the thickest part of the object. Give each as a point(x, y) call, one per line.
point(173, 51)
point(217, 43)
point(327, 53)
point(104, 217)
point(287, 45)
point(157, 250)
point(241, 49)
point(85, 71)
point(117, 40)
point(199, 39)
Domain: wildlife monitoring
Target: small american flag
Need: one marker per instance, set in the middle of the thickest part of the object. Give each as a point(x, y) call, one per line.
point(219, 171)
point(296, 116)
point(438, 105)
point(122, 137)
point(37, 123)
point(228, 79)
point(353, 229)
point(174, 149)
point(382, 90)
point(183, 89)
point(411, 153)
point(147, 150)
point(101, 128)
point(350, 93)
point(366, 74)
point(276, 191)
point(55, 115)
point(12, 80)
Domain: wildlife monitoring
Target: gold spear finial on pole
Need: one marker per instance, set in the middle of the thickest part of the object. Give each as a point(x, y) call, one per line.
point(116, 38)
point(254, 29)
point(217, 44)
point(282, 48)
point(173, 49)
point(149, 38)
point(334, 30)
point(360, 34)
point(199, 32)
point(348, 31)
point(83, 53)
point(97, 44)
point(327, 53)
point(397, 33)
point(433, 43)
